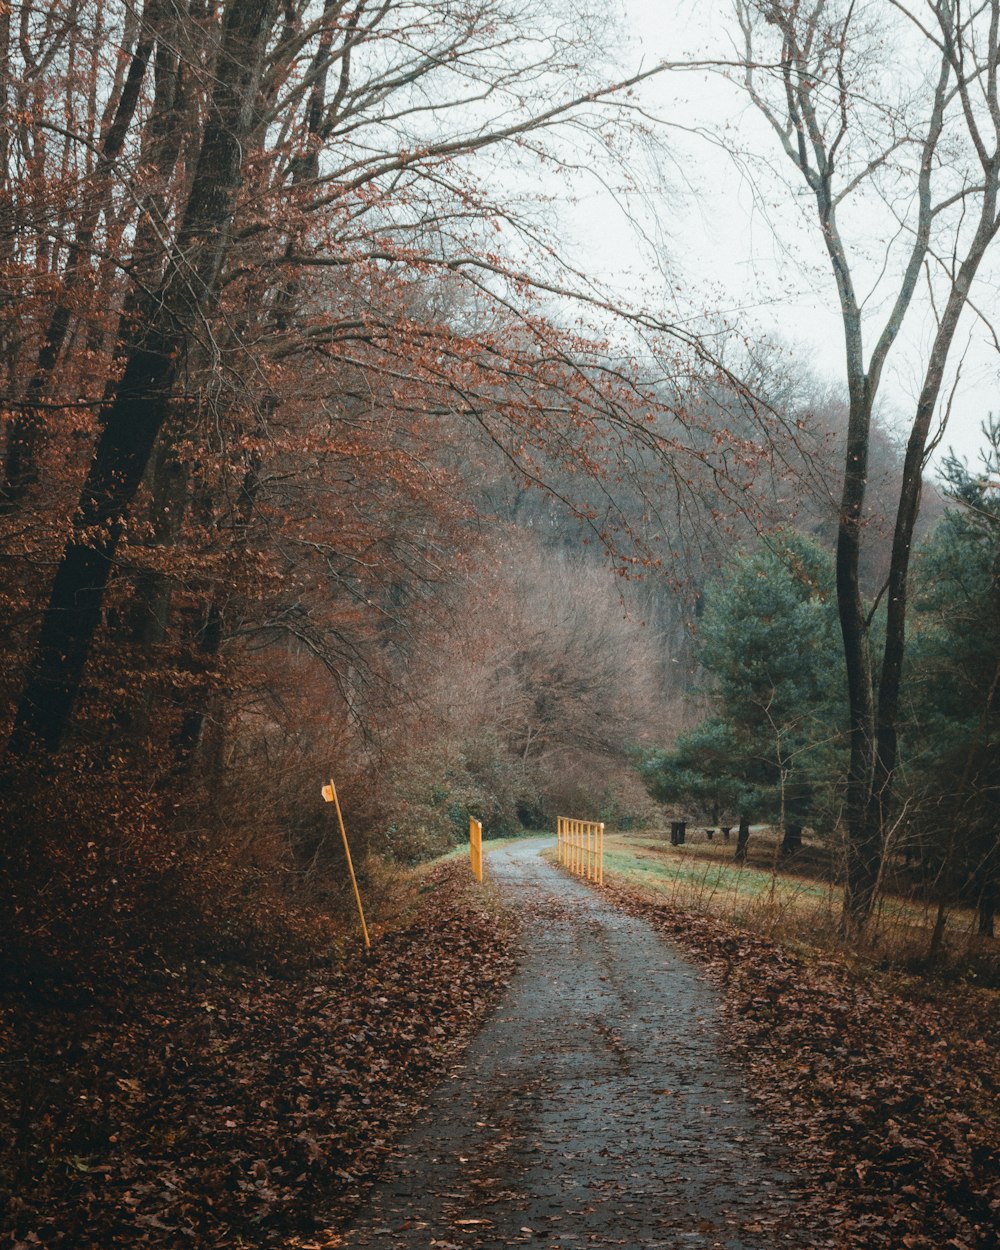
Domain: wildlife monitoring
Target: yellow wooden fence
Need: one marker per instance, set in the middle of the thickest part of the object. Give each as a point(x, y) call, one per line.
point(580, 847)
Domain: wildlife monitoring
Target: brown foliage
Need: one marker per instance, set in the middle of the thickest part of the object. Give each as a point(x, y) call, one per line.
point(532, 692)
point(219, 1104)
point(884, 1089)
point(102, 873)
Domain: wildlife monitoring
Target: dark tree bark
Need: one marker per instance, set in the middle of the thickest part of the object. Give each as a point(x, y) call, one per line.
point(816, 46)
point(792, 840)
point(153, 355)
point(208, 640)
point(25, 434)
point(988, 894)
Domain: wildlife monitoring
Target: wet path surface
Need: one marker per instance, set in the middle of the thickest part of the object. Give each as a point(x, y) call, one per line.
point(597, 1107)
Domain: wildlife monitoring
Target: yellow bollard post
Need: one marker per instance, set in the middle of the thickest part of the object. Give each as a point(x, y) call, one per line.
point(600, 862)
point(330, 794)
point(476, 848)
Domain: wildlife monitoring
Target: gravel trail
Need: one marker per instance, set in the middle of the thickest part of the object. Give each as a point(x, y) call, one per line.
point(597, 1108)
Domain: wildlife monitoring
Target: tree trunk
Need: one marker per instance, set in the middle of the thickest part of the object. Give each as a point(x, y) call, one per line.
point(987, 908)
point(742, 838)
point(208, 640)
point(989, 891)
point(937, 936)
point(792, 841)
point(134, 418)
point(864, 838)
point(26, 432)
point(908, 507)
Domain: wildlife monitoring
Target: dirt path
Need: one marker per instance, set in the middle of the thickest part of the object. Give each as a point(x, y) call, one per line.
point(597, 1108)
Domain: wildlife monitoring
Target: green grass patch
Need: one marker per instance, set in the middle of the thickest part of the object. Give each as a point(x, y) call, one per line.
point(678, 870)
point(798, 898)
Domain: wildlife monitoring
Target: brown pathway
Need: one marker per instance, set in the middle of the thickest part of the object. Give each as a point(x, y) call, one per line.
point(597, 1108)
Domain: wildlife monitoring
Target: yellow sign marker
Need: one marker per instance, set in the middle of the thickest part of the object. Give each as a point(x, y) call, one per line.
point(330, 794)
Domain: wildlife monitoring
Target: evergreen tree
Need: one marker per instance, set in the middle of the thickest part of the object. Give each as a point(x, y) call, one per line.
point(769, 639)
point(952, 774)
point(700, 770)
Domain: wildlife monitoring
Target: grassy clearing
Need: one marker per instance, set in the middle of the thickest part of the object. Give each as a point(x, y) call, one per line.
point(798, 899)
point(685, 869)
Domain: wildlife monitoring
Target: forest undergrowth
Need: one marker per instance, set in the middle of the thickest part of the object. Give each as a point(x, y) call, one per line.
point(884, 1086)
point(225, 1105)
point(215, 1105)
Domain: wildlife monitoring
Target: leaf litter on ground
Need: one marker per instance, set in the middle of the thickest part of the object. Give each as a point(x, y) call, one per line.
point(885, 1089)
point(219, 1107)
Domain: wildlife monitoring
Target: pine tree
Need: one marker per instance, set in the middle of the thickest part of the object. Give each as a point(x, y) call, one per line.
point(768, 638)
point(953, 743)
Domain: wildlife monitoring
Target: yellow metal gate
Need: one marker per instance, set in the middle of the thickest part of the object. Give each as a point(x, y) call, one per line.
point(580, 847)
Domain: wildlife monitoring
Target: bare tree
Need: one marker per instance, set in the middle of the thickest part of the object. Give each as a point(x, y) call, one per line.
point(929, 155)
point(239, 151)
point(547, 682)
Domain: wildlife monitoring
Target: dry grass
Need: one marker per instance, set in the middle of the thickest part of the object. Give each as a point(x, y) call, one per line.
point(797, 899)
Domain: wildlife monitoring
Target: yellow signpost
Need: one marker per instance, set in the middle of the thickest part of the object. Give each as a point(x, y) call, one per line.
point(330, 794)
point(580, 847)
point(476, 847)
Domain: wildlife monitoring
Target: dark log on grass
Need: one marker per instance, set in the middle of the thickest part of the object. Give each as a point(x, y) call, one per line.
point(792, 841)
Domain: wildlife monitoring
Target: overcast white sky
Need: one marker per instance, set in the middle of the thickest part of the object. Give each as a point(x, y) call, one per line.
point(713, 223)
